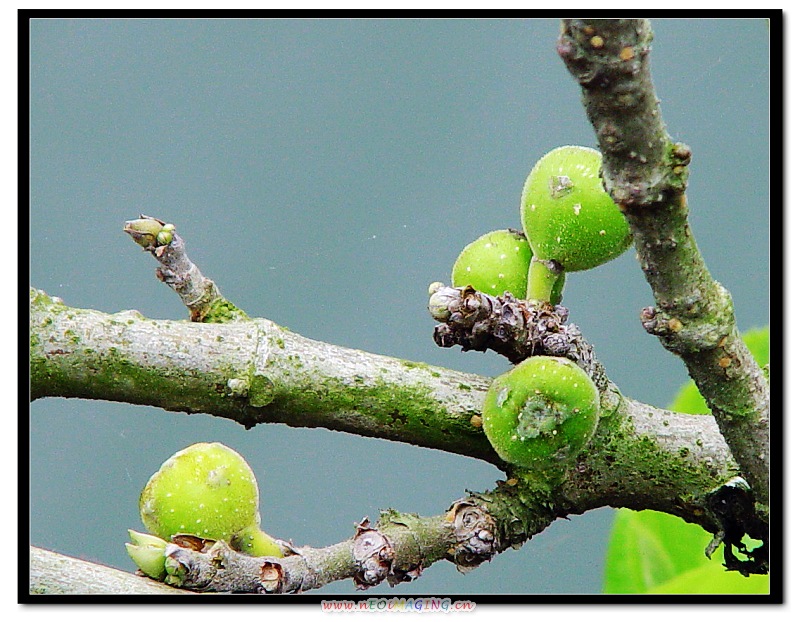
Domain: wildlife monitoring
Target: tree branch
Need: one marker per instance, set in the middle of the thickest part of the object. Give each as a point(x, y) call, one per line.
point(251, 372)
point(255, 372)
point(400, 546)
point(55, 574)
point(646, 174)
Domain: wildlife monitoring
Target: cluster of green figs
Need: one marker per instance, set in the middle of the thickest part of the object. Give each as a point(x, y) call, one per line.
point(542, 412)
point(539, 414)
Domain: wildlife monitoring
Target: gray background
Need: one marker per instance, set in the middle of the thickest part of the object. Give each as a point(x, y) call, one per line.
point(323, 173)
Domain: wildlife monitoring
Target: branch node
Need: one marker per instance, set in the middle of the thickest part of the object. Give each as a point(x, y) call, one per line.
point(681, 337)
point(373, 555)
point(271, 576)
point(474, 529)
point(516, 329)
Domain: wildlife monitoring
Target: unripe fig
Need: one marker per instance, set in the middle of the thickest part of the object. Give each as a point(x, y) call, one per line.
point(495, 263)
point(567, 216)
point(541, 413)
point(164, 236)
point(206, 490)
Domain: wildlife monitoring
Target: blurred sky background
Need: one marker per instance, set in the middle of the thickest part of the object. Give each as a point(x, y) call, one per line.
point(323, 173)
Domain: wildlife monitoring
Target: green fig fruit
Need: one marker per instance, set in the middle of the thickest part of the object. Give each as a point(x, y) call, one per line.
point(566, 214)
point(541, 413)
point(495, 263)
point(206, 490)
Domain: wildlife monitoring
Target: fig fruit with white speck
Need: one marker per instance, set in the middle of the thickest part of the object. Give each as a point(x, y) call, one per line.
point(209, 491)
point(566, 213)
point(541, 413)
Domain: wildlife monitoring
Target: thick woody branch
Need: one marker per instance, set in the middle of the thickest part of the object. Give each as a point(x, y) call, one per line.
point(256, 372)
point(646, 174)
point(251, 372)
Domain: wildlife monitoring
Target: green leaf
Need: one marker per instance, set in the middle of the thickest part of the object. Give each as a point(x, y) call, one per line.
point(713, 579)
point(655, 553)
point(689, 399)
point(649, 548)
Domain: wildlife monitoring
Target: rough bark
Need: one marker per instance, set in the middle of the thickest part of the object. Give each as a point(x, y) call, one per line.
point(58, 575)
point(646, 173)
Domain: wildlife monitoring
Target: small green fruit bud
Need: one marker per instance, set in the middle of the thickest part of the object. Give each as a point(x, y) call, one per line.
point(176, 572)
point(495, 263)
point(541, 413)
point(147, 552)
point(146, 539)
point(149, 232)
point(567, 215)
point(206, 490)
point(164, 236)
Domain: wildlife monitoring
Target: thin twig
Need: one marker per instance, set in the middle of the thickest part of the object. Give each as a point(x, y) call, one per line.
point(199, 294)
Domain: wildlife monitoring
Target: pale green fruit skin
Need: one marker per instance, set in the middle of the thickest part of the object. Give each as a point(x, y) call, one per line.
point(207, 490)
point(256, 543)
point(495, 263)
point(577, 225)
point(541, 413)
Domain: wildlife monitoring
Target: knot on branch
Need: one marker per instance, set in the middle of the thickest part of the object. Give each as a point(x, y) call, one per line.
point(516, 329)
point(680, 336)
point(195, 563)
point(373, 555)
point(271, 577)
point(596, 51)
point(213, 566)
point(474, 530)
